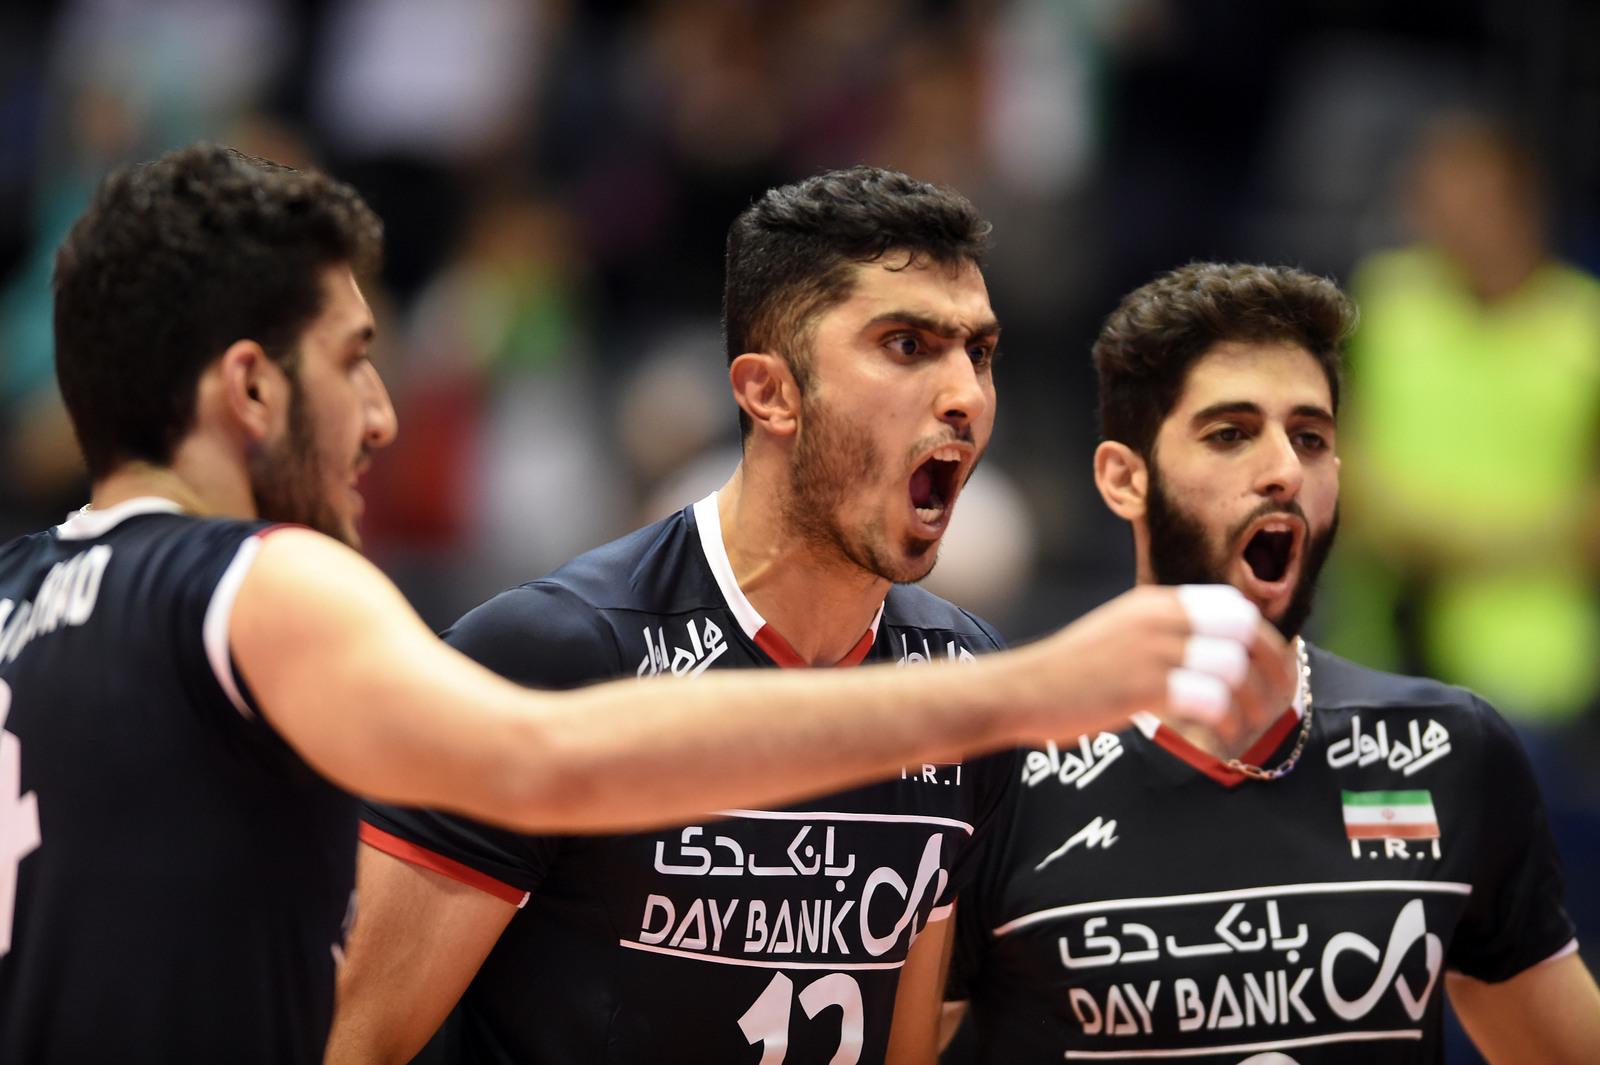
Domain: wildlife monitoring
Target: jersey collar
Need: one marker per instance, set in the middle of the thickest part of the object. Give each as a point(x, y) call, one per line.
point(1209, 764)
point(91, 524)
point(709, 524)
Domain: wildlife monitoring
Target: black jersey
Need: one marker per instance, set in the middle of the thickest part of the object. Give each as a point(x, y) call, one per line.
point(1143, 898)
point(764, 936)
point(173, 878)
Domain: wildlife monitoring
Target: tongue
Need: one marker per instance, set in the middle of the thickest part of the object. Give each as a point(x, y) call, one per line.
point(922, 487)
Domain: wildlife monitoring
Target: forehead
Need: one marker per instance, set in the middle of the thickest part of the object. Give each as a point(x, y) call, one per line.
point(1272, 375)
point(954, 293)
point(344, 308)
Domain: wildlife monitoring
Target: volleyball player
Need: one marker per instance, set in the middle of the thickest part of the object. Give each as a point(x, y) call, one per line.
point(1307, 893)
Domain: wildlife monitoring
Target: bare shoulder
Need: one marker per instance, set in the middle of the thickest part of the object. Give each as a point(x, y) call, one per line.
point(316, 629)
point(304, 585)
point(307, 560)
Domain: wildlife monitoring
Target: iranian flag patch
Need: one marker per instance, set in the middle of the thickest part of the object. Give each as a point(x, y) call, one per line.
point(1390, 815)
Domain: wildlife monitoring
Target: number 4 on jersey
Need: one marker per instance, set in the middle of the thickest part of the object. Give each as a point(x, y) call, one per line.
point(767, 1020)
point(19, 820)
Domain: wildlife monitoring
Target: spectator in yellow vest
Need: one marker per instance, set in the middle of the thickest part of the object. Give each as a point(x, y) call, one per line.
point(1472, 424)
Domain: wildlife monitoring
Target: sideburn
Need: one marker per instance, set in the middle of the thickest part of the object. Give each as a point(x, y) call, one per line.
point(1179, 553)
point(829, 458)
point(284, 477)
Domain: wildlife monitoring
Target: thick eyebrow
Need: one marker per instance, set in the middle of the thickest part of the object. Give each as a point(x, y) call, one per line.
point(1244, 406)
point(985, 330)
point(1315, 413)
point(1222, 410)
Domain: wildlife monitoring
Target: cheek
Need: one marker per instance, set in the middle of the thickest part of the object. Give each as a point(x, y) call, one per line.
point(335, 437)
point(1326, 501)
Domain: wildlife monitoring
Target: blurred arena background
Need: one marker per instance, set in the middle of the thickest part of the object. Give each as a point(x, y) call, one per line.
point(557, 178)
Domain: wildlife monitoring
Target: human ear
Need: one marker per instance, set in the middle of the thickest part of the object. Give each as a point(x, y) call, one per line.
point(767, 392)
point(1123, 478)
point(251, 388)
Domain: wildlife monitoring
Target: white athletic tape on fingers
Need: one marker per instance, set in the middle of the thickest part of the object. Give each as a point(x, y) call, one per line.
point(1219, 610)
point(1197, 696)
point(1227, 660)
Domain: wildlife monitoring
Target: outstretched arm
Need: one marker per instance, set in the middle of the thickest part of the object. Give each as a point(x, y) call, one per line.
point(1545, 1015)
point(354, 681)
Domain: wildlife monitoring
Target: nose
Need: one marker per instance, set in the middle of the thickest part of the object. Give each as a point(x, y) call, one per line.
point(1280, 473)
point(964, 394)
point(380, 422)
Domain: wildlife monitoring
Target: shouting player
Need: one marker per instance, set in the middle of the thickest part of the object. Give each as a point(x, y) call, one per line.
point(188, 694)
point(861, 347)
point(1304, 895)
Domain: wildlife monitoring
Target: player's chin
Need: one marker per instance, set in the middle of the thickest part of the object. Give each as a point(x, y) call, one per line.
point(915, 560)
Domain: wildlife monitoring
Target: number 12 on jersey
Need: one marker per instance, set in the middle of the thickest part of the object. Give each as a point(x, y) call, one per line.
point(767, 1020)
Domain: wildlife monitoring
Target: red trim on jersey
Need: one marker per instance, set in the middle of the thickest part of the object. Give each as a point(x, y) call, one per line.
point(407, 851)
point(1213, 766)
point(1428, 831)
point(262, 534)
point(778, 649)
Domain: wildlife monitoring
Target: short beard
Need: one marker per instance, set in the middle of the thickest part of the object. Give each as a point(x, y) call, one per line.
point(286, 481)
point(1180, 553)
point(832, 456)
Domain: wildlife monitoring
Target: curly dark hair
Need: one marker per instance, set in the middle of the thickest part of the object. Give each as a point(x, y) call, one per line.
point(1159, 330)
point(792, 253)
point(173, 262)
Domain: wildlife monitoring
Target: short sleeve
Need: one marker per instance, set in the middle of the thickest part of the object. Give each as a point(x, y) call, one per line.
point(496, 860)
point(1515, 916)
point(540, 635)
point(966, 953)
point(972, 941)
point(196, 574)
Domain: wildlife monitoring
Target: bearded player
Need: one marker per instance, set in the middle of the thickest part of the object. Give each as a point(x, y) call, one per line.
point(1307, 894)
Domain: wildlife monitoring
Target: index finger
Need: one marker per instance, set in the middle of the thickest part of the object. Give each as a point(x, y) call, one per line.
point(1219, 610)
point(1271, 685)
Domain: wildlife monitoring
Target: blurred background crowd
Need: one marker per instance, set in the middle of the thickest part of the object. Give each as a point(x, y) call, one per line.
point(557, 178)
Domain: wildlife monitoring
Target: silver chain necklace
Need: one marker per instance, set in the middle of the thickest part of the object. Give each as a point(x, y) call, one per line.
point(1255, 772)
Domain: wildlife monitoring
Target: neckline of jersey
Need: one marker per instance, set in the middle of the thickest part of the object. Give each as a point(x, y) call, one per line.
point(91, 524)
point(709, 525)
point(1209, 764)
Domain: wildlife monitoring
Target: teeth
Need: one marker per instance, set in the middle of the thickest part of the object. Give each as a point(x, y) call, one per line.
point(948, 453)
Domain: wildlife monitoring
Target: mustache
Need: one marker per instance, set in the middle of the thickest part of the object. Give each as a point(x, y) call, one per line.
point(1266, 507)
point(950, 435)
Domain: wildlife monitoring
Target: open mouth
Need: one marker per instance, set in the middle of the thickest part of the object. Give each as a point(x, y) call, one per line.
point(1268, 554)
point(933, 486)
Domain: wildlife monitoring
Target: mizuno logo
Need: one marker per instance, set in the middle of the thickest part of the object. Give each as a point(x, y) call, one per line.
point(1097, 833)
